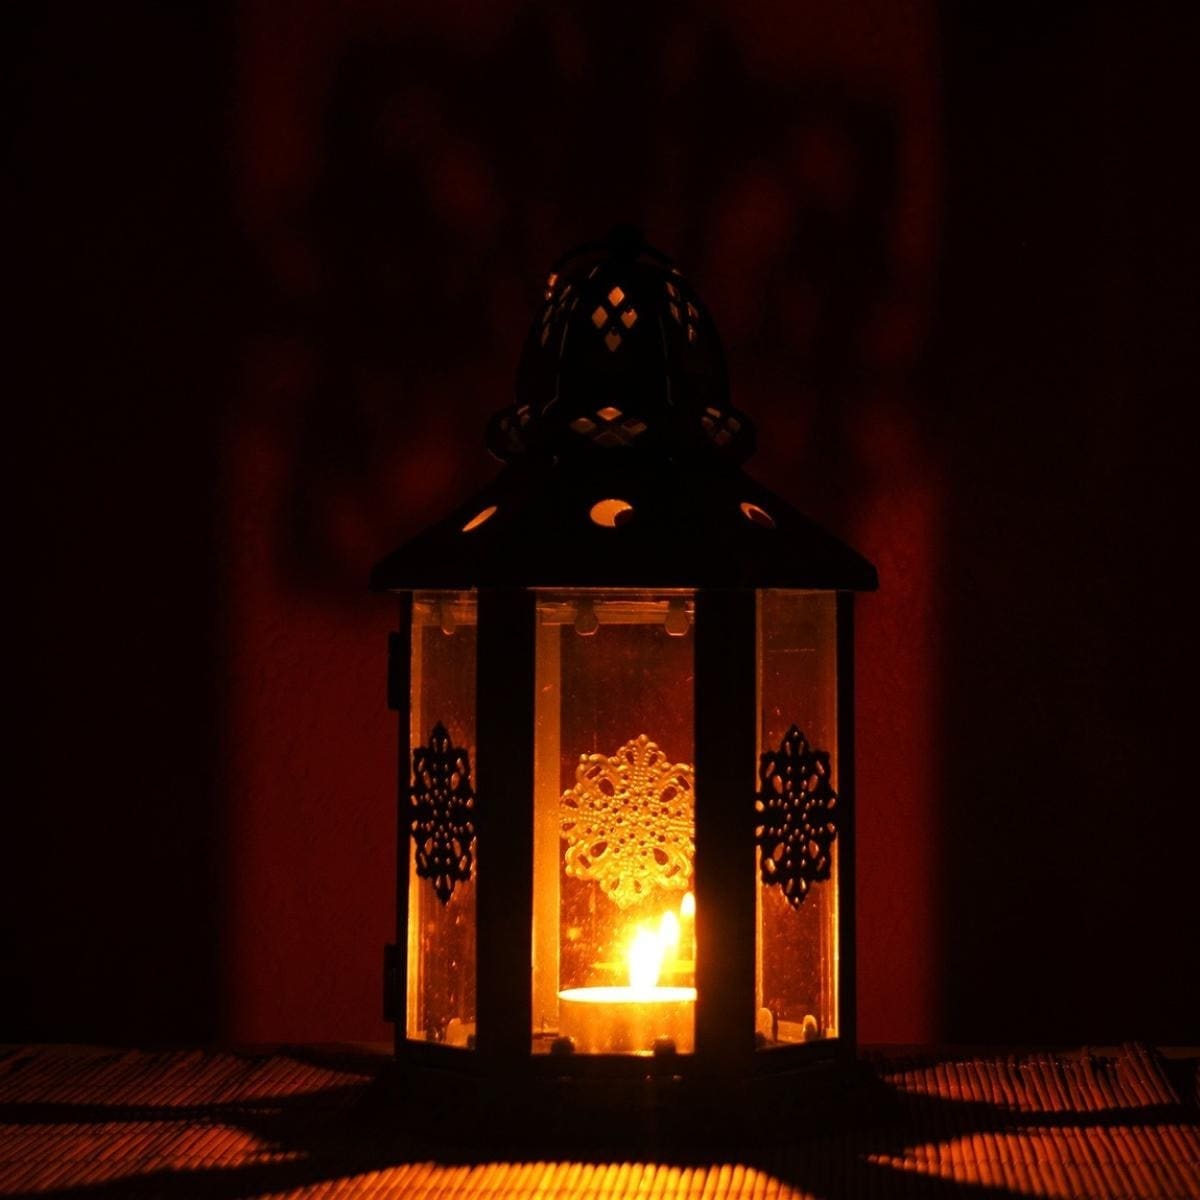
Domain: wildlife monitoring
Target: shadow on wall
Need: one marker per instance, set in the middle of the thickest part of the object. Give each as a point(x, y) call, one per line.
point(209, 829)
point(274, 283)
point(435, 170)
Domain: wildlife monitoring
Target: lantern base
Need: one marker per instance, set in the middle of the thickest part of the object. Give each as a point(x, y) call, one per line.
point(661, 1108)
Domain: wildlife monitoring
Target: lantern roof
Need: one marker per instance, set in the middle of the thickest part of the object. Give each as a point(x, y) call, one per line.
point(622, 455)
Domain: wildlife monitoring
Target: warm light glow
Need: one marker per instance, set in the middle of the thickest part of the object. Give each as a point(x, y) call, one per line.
point(634, 1019)
point(687, 907)
point(649, 949)
point(629, 997)
point(668, 932)
point(645, 960)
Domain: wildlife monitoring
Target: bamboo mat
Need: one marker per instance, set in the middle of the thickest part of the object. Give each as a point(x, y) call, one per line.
point(135, 1124)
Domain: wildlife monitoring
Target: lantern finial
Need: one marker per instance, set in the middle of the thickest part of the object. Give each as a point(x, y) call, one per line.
point(626, 241)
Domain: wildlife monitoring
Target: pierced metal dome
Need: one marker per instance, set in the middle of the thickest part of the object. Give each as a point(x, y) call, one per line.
point(622, 355)
point(623, 456)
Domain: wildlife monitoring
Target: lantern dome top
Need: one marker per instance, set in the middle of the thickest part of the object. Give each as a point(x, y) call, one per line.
point(622, 455)
point(623, 355)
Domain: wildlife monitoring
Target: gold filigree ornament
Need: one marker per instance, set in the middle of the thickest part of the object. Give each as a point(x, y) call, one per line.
point(628, 822)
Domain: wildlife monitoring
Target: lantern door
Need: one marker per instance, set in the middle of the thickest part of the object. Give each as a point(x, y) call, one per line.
point(440, 817)
point(614, 824)
point(799, 821)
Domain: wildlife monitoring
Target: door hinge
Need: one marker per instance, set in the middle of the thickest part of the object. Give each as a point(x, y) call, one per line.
point(391, 983)
point(397, 674)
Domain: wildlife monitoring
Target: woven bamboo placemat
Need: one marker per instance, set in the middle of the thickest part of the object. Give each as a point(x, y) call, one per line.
point(76, 1122)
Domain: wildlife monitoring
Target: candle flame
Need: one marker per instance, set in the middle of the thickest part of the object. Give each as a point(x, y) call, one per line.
point(668, 931)
point(687, 906)
point(648, 950)
point(645, 960)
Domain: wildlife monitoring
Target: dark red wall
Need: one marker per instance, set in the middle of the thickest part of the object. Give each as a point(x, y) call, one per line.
point(272, 267)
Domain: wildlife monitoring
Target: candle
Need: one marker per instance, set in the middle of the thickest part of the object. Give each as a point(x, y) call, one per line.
point(633, 1019)
point(621, 1020)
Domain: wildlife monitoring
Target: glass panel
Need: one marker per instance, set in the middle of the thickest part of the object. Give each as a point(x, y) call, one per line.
point(614, 824)
point(797, 945)
point(441, 894)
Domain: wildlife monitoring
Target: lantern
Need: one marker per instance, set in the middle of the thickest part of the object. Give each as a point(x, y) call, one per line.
point(624, 678)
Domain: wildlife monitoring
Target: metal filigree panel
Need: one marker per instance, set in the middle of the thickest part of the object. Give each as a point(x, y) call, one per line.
point(443, 813)
point(628, 822)
point(796, 821)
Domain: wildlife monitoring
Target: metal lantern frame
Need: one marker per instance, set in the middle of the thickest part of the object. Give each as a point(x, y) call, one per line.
point(647, 422)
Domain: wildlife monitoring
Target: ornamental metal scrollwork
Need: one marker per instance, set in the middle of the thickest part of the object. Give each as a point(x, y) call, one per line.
point(628, 822)
point(443, 813)
point(796, 816)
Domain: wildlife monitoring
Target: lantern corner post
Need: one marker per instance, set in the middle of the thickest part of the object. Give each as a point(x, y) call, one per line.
point(399, 698)
point(726, 754)
point(847, 996)
point(504, 822)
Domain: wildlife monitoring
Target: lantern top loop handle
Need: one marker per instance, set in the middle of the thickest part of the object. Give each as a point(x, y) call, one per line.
point(623, 240)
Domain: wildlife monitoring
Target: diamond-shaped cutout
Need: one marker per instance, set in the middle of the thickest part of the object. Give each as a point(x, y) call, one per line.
point(583, 425)
point(628, 317)
point(612, 339)
point(634, 426)
point(691, 311)
point(599, 316)
point(675, 313)
point(609, 413)
point(615, 296)
point(691, 331)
